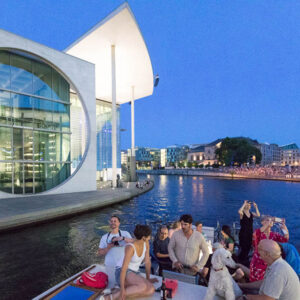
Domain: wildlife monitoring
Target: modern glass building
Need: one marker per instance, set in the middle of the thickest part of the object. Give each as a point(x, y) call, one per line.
point(60, 111)
point(34, 124)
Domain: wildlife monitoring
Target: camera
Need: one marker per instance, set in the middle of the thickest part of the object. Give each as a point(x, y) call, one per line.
point(116, 243)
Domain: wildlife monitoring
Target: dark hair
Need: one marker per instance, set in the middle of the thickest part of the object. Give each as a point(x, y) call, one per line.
point(186, 219)
point(198, 223)
point(227, 230)
point(141, 231)
point(114, 216)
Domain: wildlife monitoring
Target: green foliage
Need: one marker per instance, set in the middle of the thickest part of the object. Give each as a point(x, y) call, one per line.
point(237, 151)
point(189, 164)
point(201, 166)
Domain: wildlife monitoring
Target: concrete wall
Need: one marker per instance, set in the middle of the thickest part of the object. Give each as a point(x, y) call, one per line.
point(81, 75)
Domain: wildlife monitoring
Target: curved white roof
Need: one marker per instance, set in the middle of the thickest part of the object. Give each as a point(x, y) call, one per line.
point(133, 64)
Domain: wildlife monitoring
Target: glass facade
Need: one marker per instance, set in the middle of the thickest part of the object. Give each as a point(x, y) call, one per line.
point(79, 131)
point(104, 135)
point(35, 148)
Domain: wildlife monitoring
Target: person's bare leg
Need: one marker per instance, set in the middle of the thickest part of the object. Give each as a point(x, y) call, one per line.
point(137, 286)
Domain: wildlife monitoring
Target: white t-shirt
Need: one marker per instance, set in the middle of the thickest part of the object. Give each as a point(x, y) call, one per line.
point(106, 238)
point(280, 282)
point(113, 255)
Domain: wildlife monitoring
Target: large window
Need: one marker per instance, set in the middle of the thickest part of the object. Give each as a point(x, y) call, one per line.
point(34, 125)
point(104, 136)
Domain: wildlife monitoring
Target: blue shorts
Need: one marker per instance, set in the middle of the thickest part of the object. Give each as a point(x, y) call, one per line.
point(118, 274)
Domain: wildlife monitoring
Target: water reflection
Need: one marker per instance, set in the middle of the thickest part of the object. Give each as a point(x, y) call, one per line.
point(55, 251)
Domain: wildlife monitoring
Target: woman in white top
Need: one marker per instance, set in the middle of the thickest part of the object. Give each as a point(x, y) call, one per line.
point(132, 284)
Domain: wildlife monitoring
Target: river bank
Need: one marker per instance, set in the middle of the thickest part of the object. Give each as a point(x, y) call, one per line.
point(27, 211)
point(213, 173)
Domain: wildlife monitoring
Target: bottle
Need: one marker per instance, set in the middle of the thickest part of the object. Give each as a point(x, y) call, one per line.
point(163, 290)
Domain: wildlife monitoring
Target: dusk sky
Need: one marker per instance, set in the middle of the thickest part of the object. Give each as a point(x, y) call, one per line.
point(227, 68)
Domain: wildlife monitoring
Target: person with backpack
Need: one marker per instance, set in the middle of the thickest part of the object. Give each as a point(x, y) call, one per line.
point(114, 239)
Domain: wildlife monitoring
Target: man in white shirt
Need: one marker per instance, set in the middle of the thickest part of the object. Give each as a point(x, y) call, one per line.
point(115, 238)
point(185, 246)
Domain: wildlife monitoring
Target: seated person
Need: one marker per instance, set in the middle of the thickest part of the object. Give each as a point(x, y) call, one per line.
point(185, 246)
point(198, 225)
point(160, 248)
point(132, 283)
point(228, 238)
point(206, 269)
point(280, 281)
point(291, 255)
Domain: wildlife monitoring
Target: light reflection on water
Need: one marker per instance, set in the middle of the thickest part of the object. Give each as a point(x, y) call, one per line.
point(55, 251)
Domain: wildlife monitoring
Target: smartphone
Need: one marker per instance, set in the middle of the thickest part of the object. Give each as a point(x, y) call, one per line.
point(278, 220)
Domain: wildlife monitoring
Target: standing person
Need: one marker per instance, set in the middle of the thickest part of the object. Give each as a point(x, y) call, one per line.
point(257, 265)
point(160, 248)
point(174, 227)
point(246, 231)
point(113, 240)
point(131, 283)
point(185, 246)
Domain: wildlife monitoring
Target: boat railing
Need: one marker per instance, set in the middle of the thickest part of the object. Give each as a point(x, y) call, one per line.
point(181, 277)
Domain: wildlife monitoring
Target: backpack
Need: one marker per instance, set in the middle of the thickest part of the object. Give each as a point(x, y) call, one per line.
point(97, 280)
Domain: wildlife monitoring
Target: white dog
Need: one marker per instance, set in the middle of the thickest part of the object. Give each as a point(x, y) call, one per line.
point(220, 282)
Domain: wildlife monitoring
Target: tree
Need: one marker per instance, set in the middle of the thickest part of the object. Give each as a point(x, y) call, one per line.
point(237, 151)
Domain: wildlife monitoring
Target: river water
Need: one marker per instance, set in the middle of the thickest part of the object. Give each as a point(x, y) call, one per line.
point(34, 259)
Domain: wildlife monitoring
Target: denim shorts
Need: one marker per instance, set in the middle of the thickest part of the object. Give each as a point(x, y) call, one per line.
point(118, 274)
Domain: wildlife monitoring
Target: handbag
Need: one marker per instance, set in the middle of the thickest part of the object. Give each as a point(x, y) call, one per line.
point(97, 280)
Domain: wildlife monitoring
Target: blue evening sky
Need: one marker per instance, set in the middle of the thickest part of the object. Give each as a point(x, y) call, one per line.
point(227, 67)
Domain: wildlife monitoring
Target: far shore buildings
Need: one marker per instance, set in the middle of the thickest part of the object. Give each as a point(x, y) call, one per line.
point(290, 155)
point(271, 154)
point(204, 155)
point(60, 110)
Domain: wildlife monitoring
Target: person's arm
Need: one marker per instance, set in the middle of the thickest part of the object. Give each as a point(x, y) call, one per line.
point(171, 247)
point(104, 247)
point(148, 265)
point(264, 227)
point(251, 285)
point(103, 251)
point(205, 251)
point(286, 234)
point(257, 213)
point(160, 255)
point(204, 272)
point(241, 210)
point(128, 238)
point(255, 297)
point(127, 257)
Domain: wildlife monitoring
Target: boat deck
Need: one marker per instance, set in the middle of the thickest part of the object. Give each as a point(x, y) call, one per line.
point(185, 290)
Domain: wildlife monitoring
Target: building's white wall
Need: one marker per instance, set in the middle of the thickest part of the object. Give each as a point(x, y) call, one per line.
point(80, 74)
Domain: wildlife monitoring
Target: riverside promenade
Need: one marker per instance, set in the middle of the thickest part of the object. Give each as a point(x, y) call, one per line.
point(30, 210)
point(214, 173)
